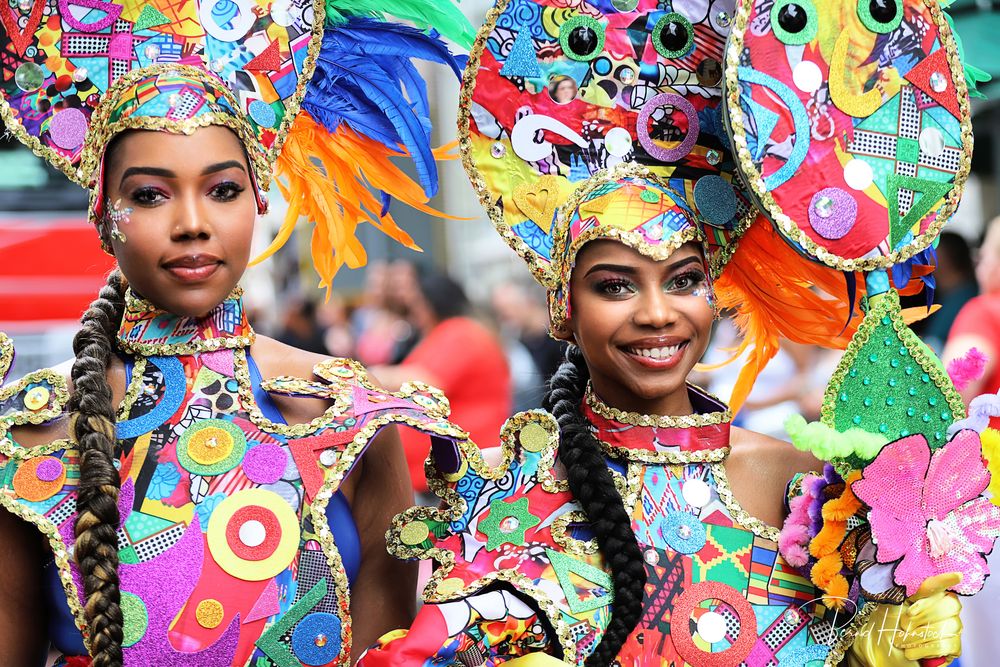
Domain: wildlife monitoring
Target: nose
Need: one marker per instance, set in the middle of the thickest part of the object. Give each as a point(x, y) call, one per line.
point(654, 309)
point(191, 220)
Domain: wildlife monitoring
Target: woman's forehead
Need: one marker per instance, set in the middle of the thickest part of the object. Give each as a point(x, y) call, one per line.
point(613, 251)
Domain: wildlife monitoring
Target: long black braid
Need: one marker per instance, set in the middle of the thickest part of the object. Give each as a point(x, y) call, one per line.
point(594, 488)
point(92, 427)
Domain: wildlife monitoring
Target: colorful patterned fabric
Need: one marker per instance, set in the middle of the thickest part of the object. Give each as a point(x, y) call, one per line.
point(226, 551)
point(717, 591)
point(851, 123)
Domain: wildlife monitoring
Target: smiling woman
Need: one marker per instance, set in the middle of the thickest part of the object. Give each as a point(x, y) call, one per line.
point(206, 496)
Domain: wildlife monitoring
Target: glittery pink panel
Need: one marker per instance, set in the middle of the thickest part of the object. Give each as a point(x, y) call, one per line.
point(266, 605)
point(68, 128)
point(903, 505)
point(363, 405)
point(684, 605)
point(642, 127)
point(111, 14)
point(164, 584)
point(220, 361)
point(264, 464)
point(841, 217)
point(126, 498)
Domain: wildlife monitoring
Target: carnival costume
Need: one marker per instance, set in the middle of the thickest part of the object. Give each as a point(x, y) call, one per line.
point(848, 123)
point(235, 546)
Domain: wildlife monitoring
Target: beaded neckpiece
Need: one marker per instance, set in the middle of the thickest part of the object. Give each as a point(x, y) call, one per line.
point(149, 331)
point(701, 436)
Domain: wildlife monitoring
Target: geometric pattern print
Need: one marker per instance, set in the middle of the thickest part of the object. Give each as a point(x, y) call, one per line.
point(208, 460)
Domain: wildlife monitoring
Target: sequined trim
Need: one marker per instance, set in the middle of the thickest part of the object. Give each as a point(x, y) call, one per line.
point(661, 421)
point(754, 179)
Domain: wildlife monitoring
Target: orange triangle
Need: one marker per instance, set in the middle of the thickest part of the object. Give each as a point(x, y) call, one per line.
point(269, 60)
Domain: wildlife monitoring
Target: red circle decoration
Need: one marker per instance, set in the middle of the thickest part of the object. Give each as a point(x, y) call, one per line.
point(684, 606)
point(272, 532)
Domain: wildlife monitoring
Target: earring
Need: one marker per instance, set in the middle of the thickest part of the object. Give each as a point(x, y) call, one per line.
point(116, 214)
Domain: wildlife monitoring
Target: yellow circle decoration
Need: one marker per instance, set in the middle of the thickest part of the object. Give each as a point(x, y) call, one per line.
point(211, 447)
point(533, 437)
point(36, 398)
point(414, 532)
point(219, 531)
point(209, 613)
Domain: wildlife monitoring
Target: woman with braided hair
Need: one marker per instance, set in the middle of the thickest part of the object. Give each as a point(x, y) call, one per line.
point(185, 491)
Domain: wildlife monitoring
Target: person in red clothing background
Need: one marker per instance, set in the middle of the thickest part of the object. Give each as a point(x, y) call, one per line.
point(456, 354)
point(978, 323)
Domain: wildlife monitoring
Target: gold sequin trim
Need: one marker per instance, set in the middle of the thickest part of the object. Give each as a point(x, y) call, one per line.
point(658, 421)
point(736, 511)
point(755, 180)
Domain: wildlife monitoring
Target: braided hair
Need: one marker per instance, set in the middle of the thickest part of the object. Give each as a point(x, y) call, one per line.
point(594, 488)
point(92, 428)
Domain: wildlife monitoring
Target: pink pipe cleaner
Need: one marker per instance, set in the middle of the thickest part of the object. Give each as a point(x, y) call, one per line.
point(967, 368)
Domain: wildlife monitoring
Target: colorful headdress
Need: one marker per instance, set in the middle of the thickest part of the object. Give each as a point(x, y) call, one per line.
point(553, 95)
point(320, 93)
point(626, 203)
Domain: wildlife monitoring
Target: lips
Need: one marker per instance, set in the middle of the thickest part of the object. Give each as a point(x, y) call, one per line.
point(193, 268)
point(658, 353)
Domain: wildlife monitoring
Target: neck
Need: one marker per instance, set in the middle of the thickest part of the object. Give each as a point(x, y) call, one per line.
point(148, 331)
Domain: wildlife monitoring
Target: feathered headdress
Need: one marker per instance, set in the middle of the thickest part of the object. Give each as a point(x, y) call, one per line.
point(322, 94)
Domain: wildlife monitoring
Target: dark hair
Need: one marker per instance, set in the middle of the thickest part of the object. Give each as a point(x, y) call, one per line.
point(959, 255)
point(92, 427)
point(445, 297)
point(594, 488)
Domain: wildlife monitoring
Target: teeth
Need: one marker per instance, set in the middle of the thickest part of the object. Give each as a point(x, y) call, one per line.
point(656, 352)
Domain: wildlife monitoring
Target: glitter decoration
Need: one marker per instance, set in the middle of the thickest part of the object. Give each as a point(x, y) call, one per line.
point(80, 74)
point(68, 128)
point(29, 486)
point(316, 639)
point(135, 619)
point(533, 437)
point(211, 447)
point(522, 60)
point(939, 82)
point(684, 606)
point(274, 554)
point(152, 52)
point(649, 196)
point(36, 398)
point(50, 469)
point(262, 113)
point(803, 655)
point(498, 150)
point(683, 532)
point(29, 77)
point(586, 587)
point(680, 104)
point(267, 605)
point(259, 539)
point(414, 532)
point(209, 613)
point(501, 510)
point(271, 642)
point(716, 200)
point(174, 390)
point(832, 213)
point(150, 17)
point(650, 556)
point(265, 464)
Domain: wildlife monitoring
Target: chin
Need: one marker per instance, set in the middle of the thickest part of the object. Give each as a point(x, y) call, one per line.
point(189, 301)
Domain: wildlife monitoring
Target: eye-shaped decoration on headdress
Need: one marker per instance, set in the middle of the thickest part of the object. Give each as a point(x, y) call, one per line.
point(552, 95)
point(851, 124)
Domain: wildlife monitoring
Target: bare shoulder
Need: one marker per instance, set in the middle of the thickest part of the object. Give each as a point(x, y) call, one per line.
point(770, 456)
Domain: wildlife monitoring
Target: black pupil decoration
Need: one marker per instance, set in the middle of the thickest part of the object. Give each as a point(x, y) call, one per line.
point(883, 11)
point(793, 19)
point(583, 40)
point(674, 36)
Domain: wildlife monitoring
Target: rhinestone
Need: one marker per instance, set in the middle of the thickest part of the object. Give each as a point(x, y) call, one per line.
point(29, 77)
point(80, 74)
point(910, 412)
point(723, 19)
point(868, 402)
point(509, 524)
point(791, 617)
point(328, 457)
point(857, 419)
point(824, 207)
point(24, 5)
point(926, 418)
point(651, 557)
point(684, 531)
point(932, 401)
point(945, 416)
point(655, 232)
point(883, 428)
point(938, 82)
point(627, 76)
point(713, 157)
point(498, 150)
point(890, 401)
point(152, 51)
point(218, 65)
point(320, 640)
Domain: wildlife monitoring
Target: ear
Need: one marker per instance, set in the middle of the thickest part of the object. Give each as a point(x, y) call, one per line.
point(562, 332)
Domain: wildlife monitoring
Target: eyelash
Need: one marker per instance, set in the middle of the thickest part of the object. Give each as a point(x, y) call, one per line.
point(616, 286)
point(226, 191)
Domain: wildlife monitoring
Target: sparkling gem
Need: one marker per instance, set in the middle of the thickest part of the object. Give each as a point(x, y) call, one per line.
point(320, 640)
point(868, 402)
point(912, 391)
point(883, 428)
point(824, 207)
point(892, 382)
point(655, 232)
point(843, 396)
point(152, 52)
point(25, 5)
point(723, 19)
point(932, 401)
point(910, 412)
point(938, 81)
point(80, 74)
point(674, 36)
point(626, 75)
point(29, 77)
point(945, 416)
point(931, 141)
point(713, 157)
point(582, 40)
point(926, 418)
point(328, 457)
point(218, 65)
point(651, 557)
point(498, 150)
point(509, 524)
point(36, 398)
point(857, 419)
point(890, 401)
point(252, 533)
point(791, 617)
point(174, 100)
point(684, 531)
point(873, 358)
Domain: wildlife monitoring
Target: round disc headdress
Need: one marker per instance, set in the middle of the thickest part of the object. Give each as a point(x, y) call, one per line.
point(851, 124)
point(553, 95)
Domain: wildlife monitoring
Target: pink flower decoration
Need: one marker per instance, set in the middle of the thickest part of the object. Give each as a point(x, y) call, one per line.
point(927, 514)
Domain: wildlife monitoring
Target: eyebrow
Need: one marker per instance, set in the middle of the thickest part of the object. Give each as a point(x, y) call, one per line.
point(166, 173)
point(631, 270)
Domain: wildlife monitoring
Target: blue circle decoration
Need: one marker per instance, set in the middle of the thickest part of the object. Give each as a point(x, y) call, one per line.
point(174, 390)
point(716, 200)
point(683, 532)
point(602, 66)
point(316, 639)
point(803, 655)
point(262, 113)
